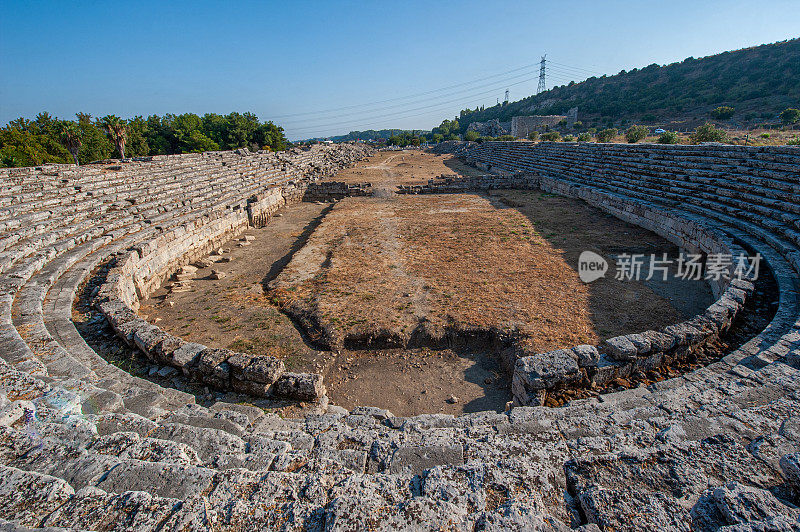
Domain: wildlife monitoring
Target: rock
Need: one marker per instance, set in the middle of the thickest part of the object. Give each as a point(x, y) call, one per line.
point(416, 459)
point(737, 504)
point(536, 373)
point(452, 399)
point(790, 466)
point(27, 496)
point(16, 411)
point(203, 263)
point(621, 348)
point(217, 274)
point(612, 509)
point(587, 355)
point(302, 386)
point(167, 371)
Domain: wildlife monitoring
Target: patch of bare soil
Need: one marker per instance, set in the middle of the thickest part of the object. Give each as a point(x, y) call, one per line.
point(233, 311)
point(405, 167)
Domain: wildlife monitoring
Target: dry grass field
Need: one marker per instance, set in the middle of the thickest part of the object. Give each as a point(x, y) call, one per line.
point(417, 270)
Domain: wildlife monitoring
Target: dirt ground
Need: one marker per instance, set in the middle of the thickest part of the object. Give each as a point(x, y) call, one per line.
point(366, 266)
point(405, 167)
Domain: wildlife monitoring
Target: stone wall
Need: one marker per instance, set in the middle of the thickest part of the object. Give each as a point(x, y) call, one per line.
point(88, 446)
point(335, 190)
point(136, 272)
point(522, 126)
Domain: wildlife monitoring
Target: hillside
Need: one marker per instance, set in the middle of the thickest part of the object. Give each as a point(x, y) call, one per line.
point(759, 82)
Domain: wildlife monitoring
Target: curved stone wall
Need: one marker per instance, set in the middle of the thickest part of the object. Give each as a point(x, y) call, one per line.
point(85, 445)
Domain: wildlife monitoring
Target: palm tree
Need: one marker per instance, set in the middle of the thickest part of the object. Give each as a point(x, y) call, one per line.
point(117, 130)
point(71, 139)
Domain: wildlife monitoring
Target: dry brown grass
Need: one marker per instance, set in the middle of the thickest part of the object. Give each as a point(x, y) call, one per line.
point(411, 269)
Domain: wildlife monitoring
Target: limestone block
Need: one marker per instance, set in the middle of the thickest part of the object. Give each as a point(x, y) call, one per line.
point(621, 348)
point(302, 386)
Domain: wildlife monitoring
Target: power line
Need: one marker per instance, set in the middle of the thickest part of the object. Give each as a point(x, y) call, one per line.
point(366, 126)
point(418, 108)
point(593, 72)
point(561, 73)
point(499, 84)
point(408, 96)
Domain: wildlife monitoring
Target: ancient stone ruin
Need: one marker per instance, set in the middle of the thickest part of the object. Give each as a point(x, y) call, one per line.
point(522, 126)
point(86, 445)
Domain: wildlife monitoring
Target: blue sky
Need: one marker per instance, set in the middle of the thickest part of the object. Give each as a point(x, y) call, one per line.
point(362, 64)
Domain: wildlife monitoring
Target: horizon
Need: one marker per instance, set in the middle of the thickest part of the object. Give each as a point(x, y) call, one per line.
point(377, 67)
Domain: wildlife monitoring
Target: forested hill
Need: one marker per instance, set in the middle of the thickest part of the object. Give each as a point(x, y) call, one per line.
point(758, 82)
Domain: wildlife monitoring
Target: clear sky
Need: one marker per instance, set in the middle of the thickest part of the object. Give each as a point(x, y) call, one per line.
point(329, 67)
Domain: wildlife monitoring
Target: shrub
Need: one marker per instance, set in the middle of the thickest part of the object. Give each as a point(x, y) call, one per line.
point(551, 135)
point(568, 138)
point(790, 116)
point(764, 135)
point(708, 133)
point(668, 137)
point(794, 141)
point(506, 137)
point(604, 135)
point(533, 135)
point(471, 136)
point(577, 125)
point(636, 133)
point(584, 137)
point(722, 112)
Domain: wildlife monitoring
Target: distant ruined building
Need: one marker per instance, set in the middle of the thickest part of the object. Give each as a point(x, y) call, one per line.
point(522, 126)
point(492, 128)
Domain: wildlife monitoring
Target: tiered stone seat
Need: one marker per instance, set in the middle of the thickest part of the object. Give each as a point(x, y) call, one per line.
point(84, 445)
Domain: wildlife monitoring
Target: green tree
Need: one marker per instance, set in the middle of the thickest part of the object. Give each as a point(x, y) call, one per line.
point(533, 135)
point(708, 133)
point(584, 137)
point(137, 144)
point(471, 135)
point(71, 139)
point(552, 136)
point(790, 116)
point(96, 145)
point(722, 112)
point(605, 135)
point(668, 137)
point(117, 131)
point(636, 133)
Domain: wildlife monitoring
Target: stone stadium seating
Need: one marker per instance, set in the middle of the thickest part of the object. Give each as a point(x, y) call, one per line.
point(86, 445)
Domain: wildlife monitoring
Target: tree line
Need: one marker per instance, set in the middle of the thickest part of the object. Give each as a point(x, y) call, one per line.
point(47, 139)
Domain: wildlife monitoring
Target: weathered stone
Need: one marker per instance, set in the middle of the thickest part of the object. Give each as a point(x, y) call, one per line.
point(416, 459)
point(790, 466)
point(303, 386)
point(621, 348)
point(588, 355)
